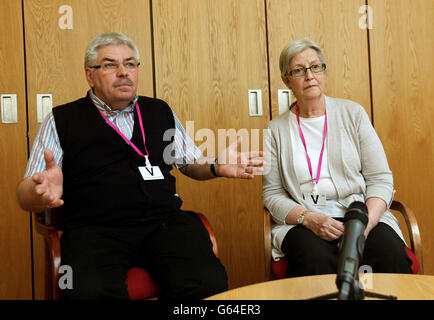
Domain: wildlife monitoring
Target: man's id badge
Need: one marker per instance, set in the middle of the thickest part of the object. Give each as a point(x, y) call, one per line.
point(151, 173)
point(315, 199)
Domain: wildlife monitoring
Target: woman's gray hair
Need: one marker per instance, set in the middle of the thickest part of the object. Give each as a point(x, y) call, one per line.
point(292, 49)
point(105, 39)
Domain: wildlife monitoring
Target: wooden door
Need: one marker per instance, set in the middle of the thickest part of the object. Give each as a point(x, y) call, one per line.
point(56, 39)
point(208, 54)
point(15, 248)
point(334, 26)
point(402, 51)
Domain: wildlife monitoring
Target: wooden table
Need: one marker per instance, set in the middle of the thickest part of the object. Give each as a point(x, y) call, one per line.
point(404, 286)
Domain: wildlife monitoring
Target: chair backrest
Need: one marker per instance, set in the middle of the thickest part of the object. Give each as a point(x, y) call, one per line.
point(46, 226)
point(412, 228)
point(210, 230)
point(267, 242)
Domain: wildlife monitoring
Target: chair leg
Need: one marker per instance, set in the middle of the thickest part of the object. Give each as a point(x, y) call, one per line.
point(48, 276)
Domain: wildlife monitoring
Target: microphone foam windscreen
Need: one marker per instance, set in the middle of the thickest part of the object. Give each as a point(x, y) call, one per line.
point(357, 210)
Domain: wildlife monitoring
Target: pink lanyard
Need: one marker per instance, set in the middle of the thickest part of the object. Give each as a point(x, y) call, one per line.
point(305, 147)
point(122, 135)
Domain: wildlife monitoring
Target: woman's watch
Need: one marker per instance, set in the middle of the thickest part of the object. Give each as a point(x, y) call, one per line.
point(301, 216)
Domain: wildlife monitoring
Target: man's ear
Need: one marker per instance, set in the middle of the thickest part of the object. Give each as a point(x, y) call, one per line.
point(88, 72)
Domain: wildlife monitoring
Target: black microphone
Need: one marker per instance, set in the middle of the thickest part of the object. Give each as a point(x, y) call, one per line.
point(351, 249)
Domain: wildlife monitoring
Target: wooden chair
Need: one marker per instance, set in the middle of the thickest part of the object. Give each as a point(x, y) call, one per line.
point(139, 281)
point(278, 269)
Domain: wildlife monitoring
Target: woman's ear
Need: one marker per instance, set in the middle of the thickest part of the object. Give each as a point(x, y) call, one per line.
point(286, 81)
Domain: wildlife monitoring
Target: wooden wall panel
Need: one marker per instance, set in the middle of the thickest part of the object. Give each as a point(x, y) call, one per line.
point(55, 58)
point(334, 26)
point(15, 251)
point(402, 51)
point(208, 54)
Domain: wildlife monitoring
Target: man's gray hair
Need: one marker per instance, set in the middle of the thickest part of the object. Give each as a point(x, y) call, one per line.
point(292, 49)
point(105, 39)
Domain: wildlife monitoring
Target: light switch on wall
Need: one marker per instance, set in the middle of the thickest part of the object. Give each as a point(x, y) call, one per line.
point(9, 108)
point(255, 103)
point(284, 98)
point(44, 103)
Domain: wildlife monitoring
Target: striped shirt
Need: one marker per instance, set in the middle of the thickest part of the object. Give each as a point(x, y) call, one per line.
point(47, 138)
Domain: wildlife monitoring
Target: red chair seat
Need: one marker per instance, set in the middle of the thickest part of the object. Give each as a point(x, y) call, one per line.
point(414, 262)
point(280, 268)
point(140, 284)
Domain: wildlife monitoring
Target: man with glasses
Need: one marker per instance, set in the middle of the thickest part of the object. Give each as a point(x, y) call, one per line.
point(104, 160)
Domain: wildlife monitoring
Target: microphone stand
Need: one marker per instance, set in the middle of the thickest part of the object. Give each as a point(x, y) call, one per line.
point(356, 293)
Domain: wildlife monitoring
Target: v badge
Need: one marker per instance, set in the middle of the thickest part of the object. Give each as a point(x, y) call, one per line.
point(151, 173)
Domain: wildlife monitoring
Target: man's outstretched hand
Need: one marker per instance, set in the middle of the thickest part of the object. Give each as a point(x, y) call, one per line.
point(242, 165)
point(43, 189)
point(49, 183)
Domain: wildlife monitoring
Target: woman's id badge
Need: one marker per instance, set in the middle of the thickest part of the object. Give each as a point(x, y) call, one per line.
point(315, 199)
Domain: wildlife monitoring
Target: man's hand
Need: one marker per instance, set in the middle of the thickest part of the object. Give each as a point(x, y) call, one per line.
point(234, 164)
point(43, 189)
point(49, 183)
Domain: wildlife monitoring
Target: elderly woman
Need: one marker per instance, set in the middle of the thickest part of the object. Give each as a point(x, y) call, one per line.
point(325, 154)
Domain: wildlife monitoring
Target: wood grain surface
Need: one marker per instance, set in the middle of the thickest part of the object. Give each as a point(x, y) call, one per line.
point(15, 251)
point(402, 53)
point(403, 286)
point(334, 26)
point(208, 54)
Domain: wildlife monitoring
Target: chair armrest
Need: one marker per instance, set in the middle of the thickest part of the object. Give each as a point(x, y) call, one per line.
point(267, 242)
point(210, 230)
point(413, 230)
point(45, 227)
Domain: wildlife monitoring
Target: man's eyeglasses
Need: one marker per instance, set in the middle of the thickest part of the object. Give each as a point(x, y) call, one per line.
point(114, 66)
point(301, 71)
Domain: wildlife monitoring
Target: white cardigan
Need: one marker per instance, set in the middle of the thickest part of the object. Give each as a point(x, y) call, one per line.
point(356, 161)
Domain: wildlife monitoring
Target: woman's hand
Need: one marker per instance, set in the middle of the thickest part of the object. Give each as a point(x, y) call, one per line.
point(323, 226)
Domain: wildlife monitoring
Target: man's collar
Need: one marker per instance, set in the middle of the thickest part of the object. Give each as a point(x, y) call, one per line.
point(106, 108)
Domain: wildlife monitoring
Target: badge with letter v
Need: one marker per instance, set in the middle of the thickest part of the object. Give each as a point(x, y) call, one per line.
point(317, 200)
point(151, 173)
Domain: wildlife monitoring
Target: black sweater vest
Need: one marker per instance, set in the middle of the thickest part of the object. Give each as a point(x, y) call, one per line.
point(102, 182)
